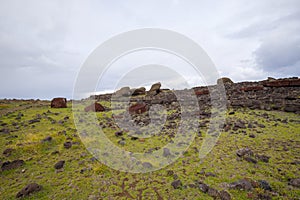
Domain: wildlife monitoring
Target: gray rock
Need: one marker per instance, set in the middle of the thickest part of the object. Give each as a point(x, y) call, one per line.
point(242, 184)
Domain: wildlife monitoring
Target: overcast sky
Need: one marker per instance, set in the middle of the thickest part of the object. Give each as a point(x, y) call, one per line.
point(44, 43)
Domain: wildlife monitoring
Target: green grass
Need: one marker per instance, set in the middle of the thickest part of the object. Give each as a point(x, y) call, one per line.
point(101, 182)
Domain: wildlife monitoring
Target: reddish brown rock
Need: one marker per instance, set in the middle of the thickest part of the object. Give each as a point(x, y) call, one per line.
point(201, 92)
point(138, 108)
point(94, 107)
point(59, 103)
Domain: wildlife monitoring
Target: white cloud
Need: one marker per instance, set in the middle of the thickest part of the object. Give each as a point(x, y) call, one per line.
point(43, 43)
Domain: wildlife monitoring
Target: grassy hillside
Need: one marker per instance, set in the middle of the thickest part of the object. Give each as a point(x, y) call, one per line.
point(273, 158)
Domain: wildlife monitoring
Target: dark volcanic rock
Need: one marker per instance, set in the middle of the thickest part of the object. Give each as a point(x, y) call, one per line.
point(94, 107)
point(176, 184)
point(47, 139)
point(59, 164)
point(119, 133)
point(59, 103)
point(264, 185)
point(30, 188)
point(32, 121)
point(68, 145)
point(12, 165)
point(203, 187)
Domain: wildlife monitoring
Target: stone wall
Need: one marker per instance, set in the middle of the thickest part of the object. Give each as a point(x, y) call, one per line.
point(271, 94)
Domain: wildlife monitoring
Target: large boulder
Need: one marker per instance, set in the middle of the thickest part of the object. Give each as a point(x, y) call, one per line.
point(59, 103)
point(94, 107)
point(224, 80)
point(138, 91)
point(138, 108)
point(124, 91)
point(155, 89)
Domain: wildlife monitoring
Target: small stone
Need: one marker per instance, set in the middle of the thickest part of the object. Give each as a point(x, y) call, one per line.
point(68, 145)
point(122, 142)
point(119, 133)
point(264, 185)
point(176, 184)
point(47, 139)
point(210, 174)
point(59, 164)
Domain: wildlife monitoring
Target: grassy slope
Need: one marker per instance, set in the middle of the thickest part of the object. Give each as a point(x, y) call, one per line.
point(281, 143)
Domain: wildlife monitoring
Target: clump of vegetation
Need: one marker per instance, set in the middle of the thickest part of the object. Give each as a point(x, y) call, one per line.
point(256, 156)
